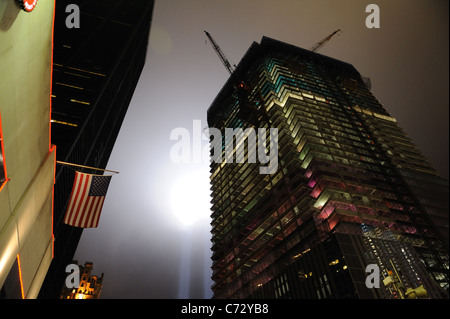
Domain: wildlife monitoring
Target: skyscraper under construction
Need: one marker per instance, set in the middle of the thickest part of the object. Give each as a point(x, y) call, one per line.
point(351, 190)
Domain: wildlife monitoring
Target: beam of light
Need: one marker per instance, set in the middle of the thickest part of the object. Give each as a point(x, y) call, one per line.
point(189, 197)
point(185, 267)
point(190, 203)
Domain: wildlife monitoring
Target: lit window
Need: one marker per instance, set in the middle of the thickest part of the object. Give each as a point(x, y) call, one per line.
point(80, 102)
point(334, 262)
point(64, 123)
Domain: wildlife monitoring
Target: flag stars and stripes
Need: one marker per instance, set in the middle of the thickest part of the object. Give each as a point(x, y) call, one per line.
point(86, 200)
point(99, 185)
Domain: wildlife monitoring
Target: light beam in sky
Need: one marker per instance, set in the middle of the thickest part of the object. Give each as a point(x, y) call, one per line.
point(190, 204)
point(187, 197)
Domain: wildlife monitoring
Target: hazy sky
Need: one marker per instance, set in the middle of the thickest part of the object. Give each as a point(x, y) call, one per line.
point(142, 244)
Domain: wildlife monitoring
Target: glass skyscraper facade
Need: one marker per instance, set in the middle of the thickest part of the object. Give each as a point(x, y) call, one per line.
point(350, 190)
point(96, 68)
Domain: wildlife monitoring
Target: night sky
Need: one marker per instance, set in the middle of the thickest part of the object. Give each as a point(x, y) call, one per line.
point(142, 245)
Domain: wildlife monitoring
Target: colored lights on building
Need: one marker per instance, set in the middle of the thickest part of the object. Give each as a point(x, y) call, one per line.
point(343, 162)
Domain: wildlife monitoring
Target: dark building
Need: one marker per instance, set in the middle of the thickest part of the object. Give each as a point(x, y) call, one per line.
point(350, 190)
point(95, 70)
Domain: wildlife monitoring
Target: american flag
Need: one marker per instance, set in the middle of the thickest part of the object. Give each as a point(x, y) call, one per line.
point(86, 200)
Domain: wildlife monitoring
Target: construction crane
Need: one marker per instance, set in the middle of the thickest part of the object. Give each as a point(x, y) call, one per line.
point(248, 107)
point(321, 43)
point(221, 55)
point(230, 68)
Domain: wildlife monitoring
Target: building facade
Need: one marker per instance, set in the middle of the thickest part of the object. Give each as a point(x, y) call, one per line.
point(89, 286)
point(350, 189)
point(27, 157)
point(99, 52)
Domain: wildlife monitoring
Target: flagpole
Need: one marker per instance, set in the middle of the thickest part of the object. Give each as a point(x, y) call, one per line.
point(94, 168)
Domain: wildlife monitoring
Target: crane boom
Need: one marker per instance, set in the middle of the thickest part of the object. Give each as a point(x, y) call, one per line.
point(321, 43)
point(219, 52)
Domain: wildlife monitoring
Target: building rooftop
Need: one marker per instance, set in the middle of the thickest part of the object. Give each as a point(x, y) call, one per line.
point(257, 50)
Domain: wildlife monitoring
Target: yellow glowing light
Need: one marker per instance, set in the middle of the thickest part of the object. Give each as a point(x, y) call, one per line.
point(100, 74)
point(64, 123)
point(70, 86)
point(334, 262)
point(301, 254)
point(80, 102)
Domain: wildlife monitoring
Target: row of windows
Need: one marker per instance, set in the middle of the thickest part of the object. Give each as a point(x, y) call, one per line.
point(255, 243)
point(334, 132)
point(320, 118)
point(265, 232)
point(280, 76)
point(243, 151)
point(415, 158)
point(243, 192)
point(252, 261)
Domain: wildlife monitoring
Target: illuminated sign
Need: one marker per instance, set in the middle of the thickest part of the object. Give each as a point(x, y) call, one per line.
point(27, 5)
